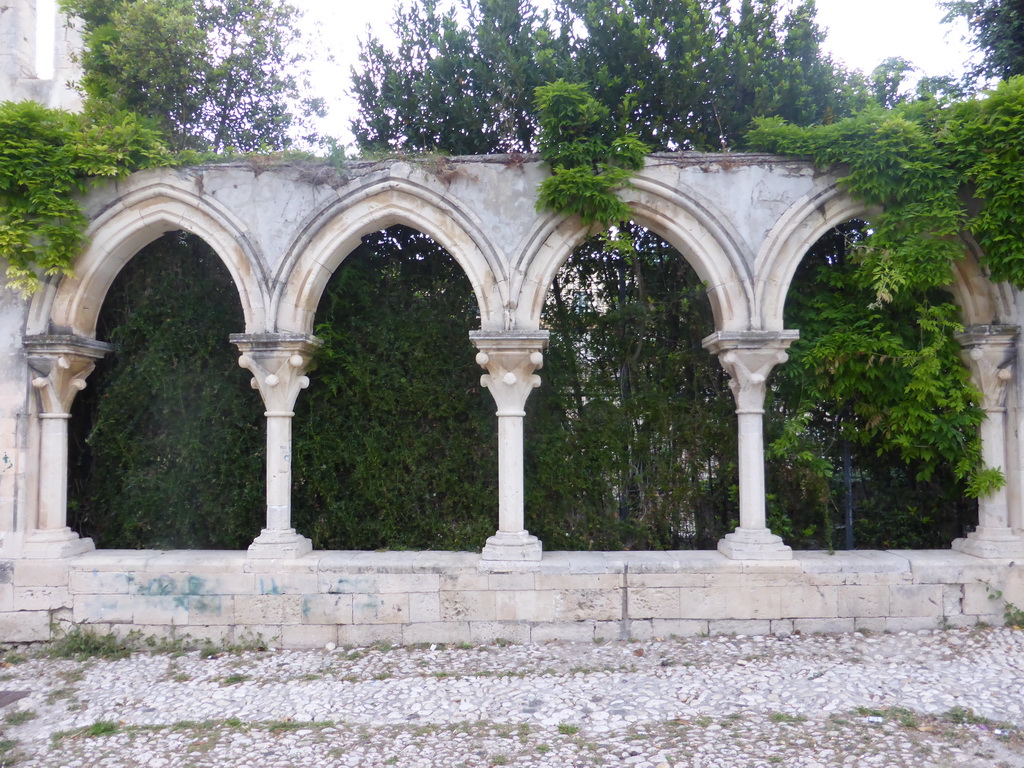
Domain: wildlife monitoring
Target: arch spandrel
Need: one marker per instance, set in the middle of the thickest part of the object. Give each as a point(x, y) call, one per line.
point(704, 237)
point(981, 301)
point(330, 234)
point(125, 226)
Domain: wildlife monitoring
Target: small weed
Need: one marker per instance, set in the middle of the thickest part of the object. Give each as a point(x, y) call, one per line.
point(13, 657)
point(101, 728)
point(567, 729)
point(382, 676)
point(774, 759)
point(383, 647)
point(464, 646)
point(19, 716)
point(904, 717)
point(782, 717)
point(441, 675)
point(502, 642)
point(234, 679)
point(1012, 615)
point(964, 716)
point(499, 760)
point(180, 677)
point(281, 726)
point(60, 693)
point(543, 748)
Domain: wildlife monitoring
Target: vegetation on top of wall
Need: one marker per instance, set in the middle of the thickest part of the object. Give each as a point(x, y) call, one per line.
point(47, 156)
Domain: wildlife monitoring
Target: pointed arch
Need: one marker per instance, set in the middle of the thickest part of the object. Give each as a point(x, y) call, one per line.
point(122, 229)
point(700, 233)
point(334, 231)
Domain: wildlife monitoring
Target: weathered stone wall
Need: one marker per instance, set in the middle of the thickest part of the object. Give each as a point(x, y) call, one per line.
point(19, 78)
point(360, 598)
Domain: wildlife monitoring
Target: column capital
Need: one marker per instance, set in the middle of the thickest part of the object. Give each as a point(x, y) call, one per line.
point(748, 357)
point(510, 359)
point(60, 365)
point(278, 362)
point(989, 351)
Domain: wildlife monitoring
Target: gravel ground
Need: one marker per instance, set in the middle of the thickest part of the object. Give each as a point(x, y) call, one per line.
point(942, 698)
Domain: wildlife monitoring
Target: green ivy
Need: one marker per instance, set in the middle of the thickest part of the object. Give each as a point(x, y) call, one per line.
point(47, 157)
point(589, 160)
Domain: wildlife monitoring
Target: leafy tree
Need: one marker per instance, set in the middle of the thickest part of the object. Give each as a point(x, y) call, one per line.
point(212, 74)
point(997, 31)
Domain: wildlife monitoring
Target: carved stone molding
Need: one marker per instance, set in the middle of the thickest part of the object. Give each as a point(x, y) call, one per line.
point(60, 366)
point(989, 352)
point(749, 357)
point(510, 359)
point(278, 363)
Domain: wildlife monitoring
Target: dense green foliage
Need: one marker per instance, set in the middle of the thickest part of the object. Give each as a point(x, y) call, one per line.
point(212, 74)
point(682, 74)
point(46, 157)
point(168, 443)
point(997, 31)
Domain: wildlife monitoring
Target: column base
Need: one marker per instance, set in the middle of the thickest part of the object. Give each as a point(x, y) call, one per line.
point(279, 544)
point(754, 544)
point(50, 545)
point(991, 543)
point(510, 549)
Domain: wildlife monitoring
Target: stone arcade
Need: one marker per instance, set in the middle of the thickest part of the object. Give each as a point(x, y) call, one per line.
point(742, 221)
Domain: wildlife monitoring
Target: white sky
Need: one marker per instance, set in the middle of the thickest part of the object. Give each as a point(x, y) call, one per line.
point(861, 34)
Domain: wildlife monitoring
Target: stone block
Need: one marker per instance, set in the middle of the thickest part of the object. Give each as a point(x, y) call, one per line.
point(578, 631)
point(911, 600)
point(644, 603)
point(464, 581)
point(260, 609)
point(679, 627)
point(425, 607)
point(219, 584)
point(112, 609)
point(211, 609)
point(704, 604)
point(25, 626)
point(911, 623)
point(807, 602)
point(636, 629)
point(489, 631)
point(952, 599)
point(588, 604)
point(220, 635)
point(979, 599)
point(102, 582)
point(872, 624)
point(299, 583)
point(511, 581)
point(829, 626)
point(739, 627)
point(525, 606)
point(308, 636)
point(327, 609)
point(369, 634)
point(41, 573)
point(576, 581)
point(268, 635)
point(946, 566)
point(40, 598)
point(380, 609)
point(863, 601)
point(467, 606)
point(665, 580)
point(379, 583)
point(446, 562)
point(6, 597)
point(782, 627)
point(192, 561)
point(744, 603)
point(436, 632)
point(161, 609)
point(160, 584)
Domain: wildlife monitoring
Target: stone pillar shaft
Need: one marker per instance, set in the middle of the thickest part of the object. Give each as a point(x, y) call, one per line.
point(510, 359)
point(60, 365)
point(278, 363)
point(990, 352)
point(748, 357)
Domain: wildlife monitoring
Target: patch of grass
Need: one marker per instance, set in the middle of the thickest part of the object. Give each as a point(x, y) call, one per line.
point(382, 676)
point(543, 748)
point(499, 760)
point(101, 728)
point(233, 679)
point(13, 657)
point(282, 726)
point(783, 717)
point(81, 645)
point(568, 729)
point(965, 716)
point(19, 716)
point(60, 693)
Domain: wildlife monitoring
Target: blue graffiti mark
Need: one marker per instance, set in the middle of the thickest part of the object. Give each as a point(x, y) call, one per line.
point(272, 589)
point(5, 460)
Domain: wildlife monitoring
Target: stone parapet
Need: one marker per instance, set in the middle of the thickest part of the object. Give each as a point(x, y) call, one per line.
point(363, 598)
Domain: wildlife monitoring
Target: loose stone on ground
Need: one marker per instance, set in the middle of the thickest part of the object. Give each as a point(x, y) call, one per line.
point(942, 698)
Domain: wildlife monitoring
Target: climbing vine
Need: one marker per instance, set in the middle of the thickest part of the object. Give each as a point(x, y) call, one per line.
point(938, 172)
point(590, 157)
point(47, 157)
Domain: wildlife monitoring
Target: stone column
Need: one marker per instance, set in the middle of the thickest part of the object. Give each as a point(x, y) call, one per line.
point(59, 365)
point(748, 357)
point(989, 352)
point(278, 362)
point(510, 358)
